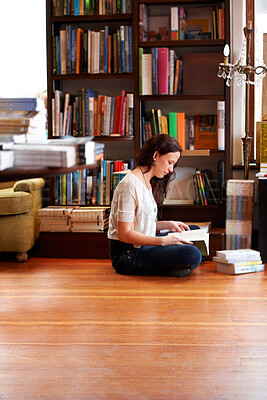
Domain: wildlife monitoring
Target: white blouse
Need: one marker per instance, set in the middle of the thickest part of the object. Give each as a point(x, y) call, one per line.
point(133, 202)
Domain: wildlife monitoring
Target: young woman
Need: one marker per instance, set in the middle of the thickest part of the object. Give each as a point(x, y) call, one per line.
point(135, 247)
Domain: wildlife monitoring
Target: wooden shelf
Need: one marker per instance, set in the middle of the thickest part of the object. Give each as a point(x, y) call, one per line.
point(183, 43)
point(113, 138)
point(14, 174)
point(181, 97)
point(255, 167)
point(182, 2)
point(86, 76)
point(91, 18)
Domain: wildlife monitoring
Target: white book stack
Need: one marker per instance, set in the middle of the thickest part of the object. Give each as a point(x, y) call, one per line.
point(43, 155)
point(54, 219)
point(89, 219)
point(85, 148)
point(6, 159)
point(240, 261)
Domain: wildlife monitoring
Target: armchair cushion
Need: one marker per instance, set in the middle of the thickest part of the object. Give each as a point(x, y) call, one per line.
point(15, 202)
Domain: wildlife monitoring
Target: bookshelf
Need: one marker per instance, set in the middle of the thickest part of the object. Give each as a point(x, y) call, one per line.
point(192, 100)
point(204, 102)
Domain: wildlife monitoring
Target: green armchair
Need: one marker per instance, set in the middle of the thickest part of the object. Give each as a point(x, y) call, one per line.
point(19, 223)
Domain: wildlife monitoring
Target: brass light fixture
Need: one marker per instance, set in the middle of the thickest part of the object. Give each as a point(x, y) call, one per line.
point(242, 70)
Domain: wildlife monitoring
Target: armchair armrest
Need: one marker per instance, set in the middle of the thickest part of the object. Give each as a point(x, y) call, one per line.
point(33, 186)
point(29, 185)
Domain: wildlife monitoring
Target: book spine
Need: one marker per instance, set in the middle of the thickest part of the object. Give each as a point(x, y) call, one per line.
point(163, 59)
point(63, 57)
point(181, 129)
point(155, 70)
point(221, 124)
point(174, 23)
point(173, 124)
point(122, 49)
point(182, 23)
point(146, 74)
point(106, 50)
point(130, 48)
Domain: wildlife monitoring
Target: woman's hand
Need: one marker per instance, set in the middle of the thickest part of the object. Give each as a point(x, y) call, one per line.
point(175, 226)
point(174, 238)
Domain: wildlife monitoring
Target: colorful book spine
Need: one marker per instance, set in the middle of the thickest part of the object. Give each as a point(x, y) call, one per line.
point(181, 129)
point(163, 68)
point(173, 124)
point(155, 89)
point(122, 49)
point(202, 189)
point(174, 23)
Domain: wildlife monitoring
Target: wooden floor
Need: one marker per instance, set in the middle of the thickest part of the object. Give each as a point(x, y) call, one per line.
point(74, 329)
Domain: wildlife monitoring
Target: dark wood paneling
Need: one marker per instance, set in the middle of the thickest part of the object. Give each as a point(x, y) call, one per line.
point(216, 214)
point(73, 245)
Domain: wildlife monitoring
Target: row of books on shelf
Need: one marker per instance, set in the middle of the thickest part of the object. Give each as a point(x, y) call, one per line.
point(91, 114)
point(73, 219)
point(195, 132)
point(91, 7)
point(239, 261)
point(77, 50)
point(180, 23)
point(191, 185)
point(92, 186)
point(50, 153)
point(160, 72)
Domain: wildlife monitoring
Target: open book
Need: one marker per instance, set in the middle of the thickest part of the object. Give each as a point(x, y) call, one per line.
point(200, 239)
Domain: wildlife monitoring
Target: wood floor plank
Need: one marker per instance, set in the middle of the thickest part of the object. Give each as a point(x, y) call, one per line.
point(74, 329)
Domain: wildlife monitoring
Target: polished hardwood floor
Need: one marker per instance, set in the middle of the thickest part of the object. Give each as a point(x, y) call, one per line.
point(74, 329)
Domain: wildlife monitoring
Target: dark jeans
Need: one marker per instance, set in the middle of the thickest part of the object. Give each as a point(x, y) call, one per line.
point(174, 260)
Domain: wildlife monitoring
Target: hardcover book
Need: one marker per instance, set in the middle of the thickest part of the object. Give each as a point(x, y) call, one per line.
point(163, 70)
point(205, 134)
point(199, 238)
point(235, 270)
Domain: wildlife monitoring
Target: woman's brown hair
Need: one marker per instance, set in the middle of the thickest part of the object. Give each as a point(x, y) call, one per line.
point(163, 144)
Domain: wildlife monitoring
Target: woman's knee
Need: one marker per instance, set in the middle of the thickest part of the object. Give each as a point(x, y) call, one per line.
point(195, 257)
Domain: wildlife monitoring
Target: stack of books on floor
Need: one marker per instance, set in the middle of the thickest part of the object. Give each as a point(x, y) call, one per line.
point(73, 219)
point(54, 219)
point(240, 261)
point(89, 219)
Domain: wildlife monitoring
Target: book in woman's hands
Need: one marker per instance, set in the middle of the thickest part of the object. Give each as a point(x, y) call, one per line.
point(200, 239)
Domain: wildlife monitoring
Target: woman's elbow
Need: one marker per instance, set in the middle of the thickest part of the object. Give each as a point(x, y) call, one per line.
point(122, 235)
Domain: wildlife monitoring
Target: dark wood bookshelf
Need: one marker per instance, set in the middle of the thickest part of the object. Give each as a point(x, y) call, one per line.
point(214, 213)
